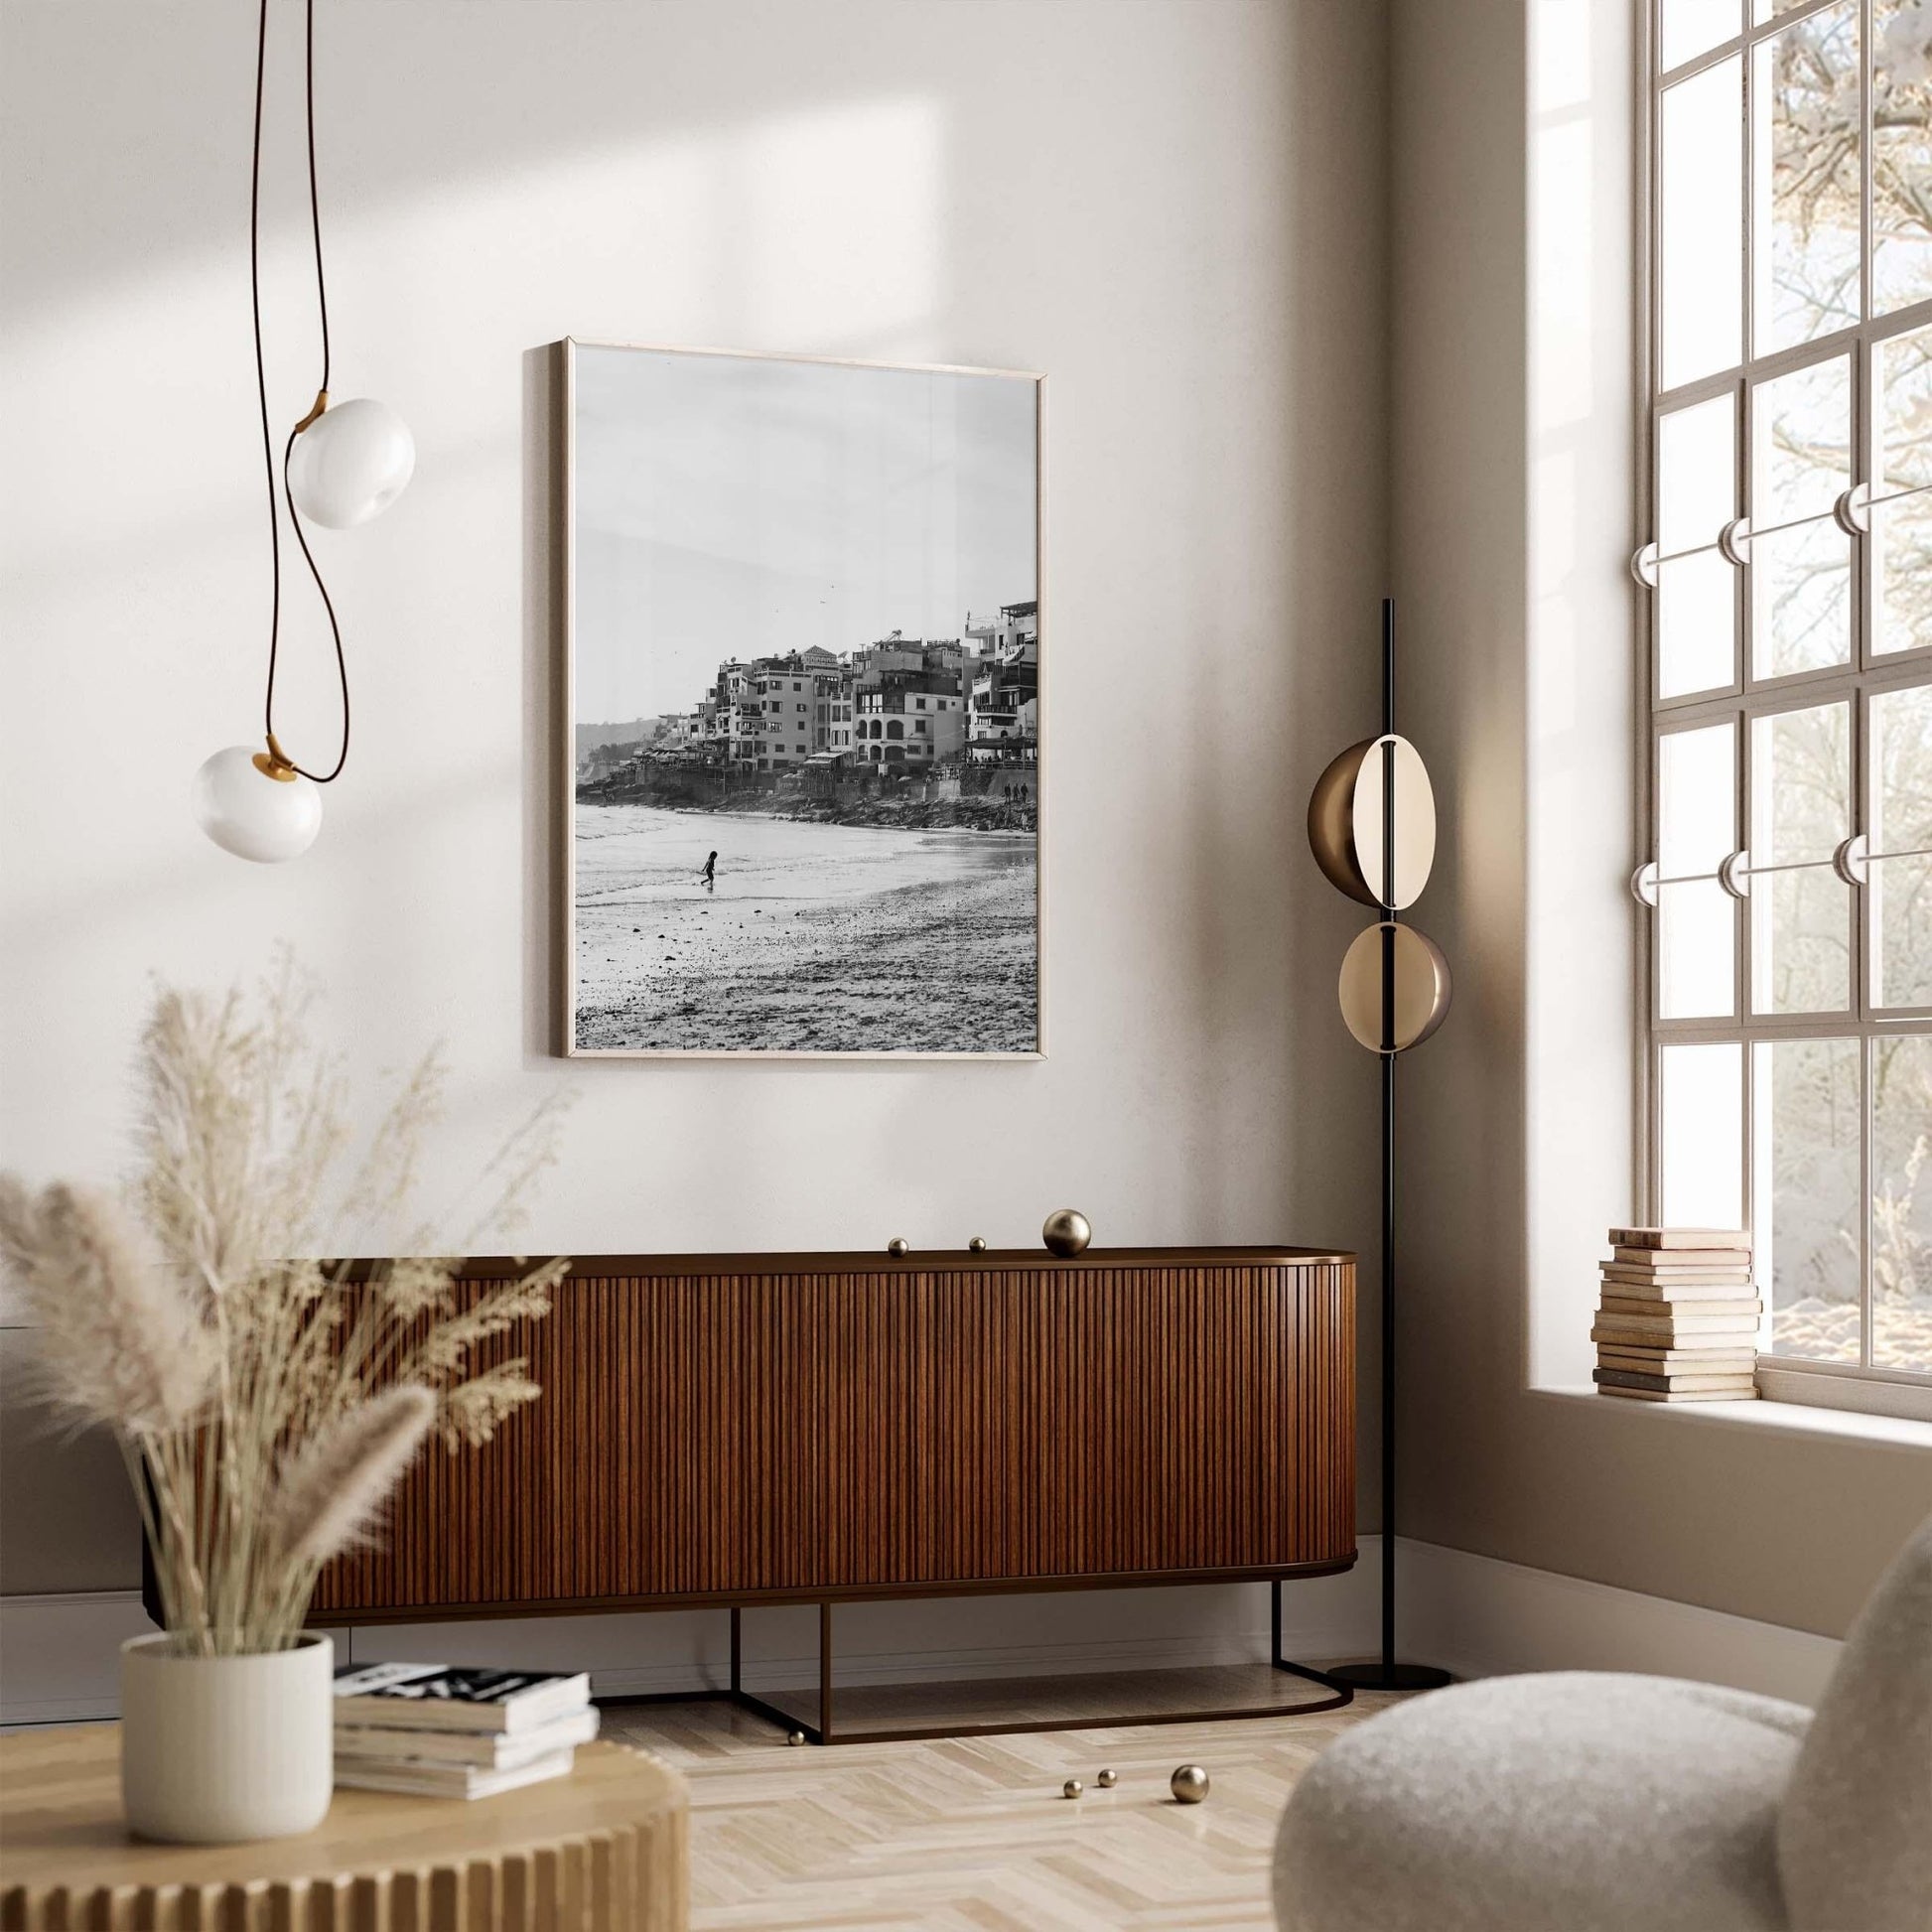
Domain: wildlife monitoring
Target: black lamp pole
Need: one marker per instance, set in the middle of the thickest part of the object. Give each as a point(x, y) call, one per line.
point(1387, 1673)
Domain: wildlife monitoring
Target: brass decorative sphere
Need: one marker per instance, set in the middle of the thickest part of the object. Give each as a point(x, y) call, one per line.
point(1066, 1232)
point(1072, 1788)
point(977, 1245)
point(1107, 1780)
point(794, 1737)
point(898, 1245)
point(1188, 1784)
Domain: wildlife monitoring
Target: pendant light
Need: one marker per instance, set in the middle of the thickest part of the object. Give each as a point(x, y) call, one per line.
point(342, 465)
point(350, 464)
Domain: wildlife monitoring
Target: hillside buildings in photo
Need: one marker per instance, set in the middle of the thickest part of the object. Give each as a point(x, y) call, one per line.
point(901, 708)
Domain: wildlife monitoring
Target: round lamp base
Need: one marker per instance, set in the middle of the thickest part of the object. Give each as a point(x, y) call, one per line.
point(1390, 1677)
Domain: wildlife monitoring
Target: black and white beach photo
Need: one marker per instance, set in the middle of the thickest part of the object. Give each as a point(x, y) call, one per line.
point(804, 703)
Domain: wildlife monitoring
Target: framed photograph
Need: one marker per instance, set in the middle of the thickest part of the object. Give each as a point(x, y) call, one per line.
point(804, 688)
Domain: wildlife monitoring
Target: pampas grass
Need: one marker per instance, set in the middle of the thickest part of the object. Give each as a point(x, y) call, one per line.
point(119, 1342)
point(266, 1406)
point(332, 1487)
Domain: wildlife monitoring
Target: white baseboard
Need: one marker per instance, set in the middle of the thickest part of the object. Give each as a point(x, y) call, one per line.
point(58, 1665)
point(1476, 1616)
point(60, 1655)
point(1481, 1617)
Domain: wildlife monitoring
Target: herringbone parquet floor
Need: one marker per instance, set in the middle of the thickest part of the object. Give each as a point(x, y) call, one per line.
point(972, 1835)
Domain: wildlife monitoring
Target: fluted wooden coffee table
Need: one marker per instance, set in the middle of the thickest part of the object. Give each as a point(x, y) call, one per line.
point(603, 1849)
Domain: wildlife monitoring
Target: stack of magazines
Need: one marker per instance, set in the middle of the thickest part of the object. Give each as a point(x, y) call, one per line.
point(448, 1732)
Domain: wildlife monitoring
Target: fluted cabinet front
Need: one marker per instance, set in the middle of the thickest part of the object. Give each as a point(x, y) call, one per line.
point(835, 1425)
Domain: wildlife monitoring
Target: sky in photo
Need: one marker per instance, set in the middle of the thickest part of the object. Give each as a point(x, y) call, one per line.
point(735, 507)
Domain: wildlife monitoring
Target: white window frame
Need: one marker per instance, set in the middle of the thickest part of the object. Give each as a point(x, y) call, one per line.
point(1749, 697)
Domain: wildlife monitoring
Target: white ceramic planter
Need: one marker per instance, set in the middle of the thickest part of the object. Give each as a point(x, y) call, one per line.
point(218, 1750)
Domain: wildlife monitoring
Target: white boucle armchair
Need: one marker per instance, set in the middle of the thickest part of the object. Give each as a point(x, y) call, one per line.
point(1591, 1802)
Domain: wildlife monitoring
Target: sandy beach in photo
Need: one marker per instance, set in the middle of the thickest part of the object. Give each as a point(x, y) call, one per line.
point(814, 938)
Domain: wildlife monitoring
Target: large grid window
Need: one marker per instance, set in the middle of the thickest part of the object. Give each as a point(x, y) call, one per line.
point(1789, 563)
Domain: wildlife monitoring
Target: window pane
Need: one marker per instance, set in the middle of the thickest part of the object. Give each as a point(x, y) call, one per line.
point(1902, 412)
point(1801, 810)
point(1901, 532)
point(1691, 26)
point(1805, 147)
point(1801, 578)
point(1901, 154)
point(1697, 473)
point(1901, 1202)
point(1700, 1110)
point(1801, 600)
point(1801, 784)
point(1801, 442)
point(1697, 620)
point(1805, 1153)
point(1801, 941)
point(1697, 830)
point(1898, 820)
point(1701, 247)
point(1697, 799)
point(1901, 572)
point(1901, 893)
point(1900, 757)
point(1697, 938)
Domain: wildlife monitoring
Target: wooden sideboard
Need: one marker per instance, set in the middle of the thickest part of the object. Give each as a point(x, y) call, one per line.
point(744, 1430)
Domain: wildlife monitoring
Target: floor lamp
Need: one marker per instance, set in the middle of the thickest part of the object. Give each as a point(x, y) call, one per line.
point(1372, 828)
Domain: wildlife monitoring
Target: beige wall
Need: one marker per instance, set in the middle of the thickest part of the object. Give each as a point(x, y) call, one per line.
point(1175, 208)
point(1511, 462)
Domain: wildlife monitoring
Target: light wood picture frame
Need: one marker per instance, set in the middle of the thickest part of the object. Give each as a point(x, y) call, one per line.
point(803, 708)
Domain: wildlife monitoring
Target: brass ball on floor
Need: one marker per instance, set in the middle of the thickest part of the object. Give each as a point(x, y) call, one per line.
point(977, 1245)
point(898, 1245)
point(794, 1737)
point(1188, 1784)
point(1072, 1788)
point(1107, 1780)
point(1066, 1232)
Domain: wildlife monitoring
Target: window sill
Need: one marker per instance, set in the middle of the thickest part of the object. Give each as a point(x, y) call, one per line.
point(1790, 1418)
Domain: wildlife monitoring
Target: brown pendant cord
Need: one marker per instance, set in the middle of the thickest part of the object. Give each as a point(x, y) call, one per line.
point(261, 391)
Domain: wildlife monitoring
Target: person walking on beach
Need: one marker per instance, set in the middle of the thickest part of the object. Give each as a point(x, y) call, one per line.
point(710, 874)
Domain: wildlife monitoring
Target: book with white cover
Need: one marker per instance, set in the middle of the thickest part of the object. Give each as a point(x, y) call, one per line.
point(1680, 1321)
point(1673, 1260)
point(494, 1750)
point(1732, 1240)
point(439, 1697)
point(1688, 1286)
point(1612, 1303)
point(1662, 1360)
point(1744, 1392)
point(447, 1780)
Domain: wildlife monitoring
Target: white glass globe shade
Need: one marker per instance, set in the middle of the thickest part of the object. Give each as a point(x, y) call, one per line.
point(252, 815)
point(350, 464)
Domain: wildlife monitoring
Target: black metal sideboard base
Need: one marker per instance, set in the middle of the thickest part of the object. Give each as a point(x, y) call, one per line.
point(826, 1730)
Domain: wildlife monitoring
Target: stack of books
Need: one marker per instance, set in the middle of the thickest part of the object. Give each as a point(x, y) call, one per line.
point(457, 1734)
point(1678, 1317)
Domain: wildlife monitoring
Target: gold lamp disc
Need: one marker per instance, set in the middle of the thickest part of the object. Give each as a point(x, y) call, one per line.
point(1422, 988)
point(1346, 830)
